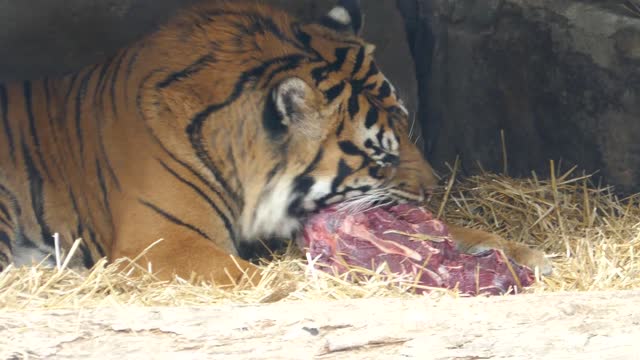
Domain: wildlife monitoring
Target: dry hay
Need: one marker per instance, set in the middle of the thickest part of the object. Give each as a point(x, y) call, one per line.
point(592, 236)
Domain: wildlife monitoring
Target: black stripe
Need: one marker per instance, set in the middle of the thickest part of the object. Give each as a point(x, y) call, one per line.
point(301, 188)
point(5, 212)
point(350, 148)
point(107, 161)
point(340, 127)
point(173, 219)
point(380, 135)
point(80, 225)
point(313, 164)
point(87, 258)
point(384, 91)
point(341, 57)
point(373, 71)
point(4, 259)
point(73, 79)
point(89, 224)
point(256, 23)
point(4, 103)
point(74, 206)
point(343, 171)
point(37, 196)
point(28, 99)
point(98, 110)
point(172, 155)
point(354, 105)
point(272, 173)
point(103, 187)
point(374, 172)
point(97, 243)
point(334, 92)
point(369, 145)
point(225, 219)
point(12, 199)
point(359, 61)
point(98, 95)
point(25, 241)
point(291, 65)
point(50, 117)
point(302, 37)
point(190, 70)
point(52, 134)
point(63, 116)
point(393, 116)
point(204, 181)
point(321, 73)
point(201, 178)
point(114, 80)
point(6, 222)
point(47, 101)
point(5, 239)
point(101, 84)
point(391, 159)
point(195, 127)
point(273, 120)
point(133, 59)
point(302, 185)
point(82, 92)
point(372, 117)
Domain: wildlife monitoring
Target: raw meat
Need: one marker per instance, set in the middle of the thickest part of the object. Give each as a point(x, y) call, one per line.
point(411, 242)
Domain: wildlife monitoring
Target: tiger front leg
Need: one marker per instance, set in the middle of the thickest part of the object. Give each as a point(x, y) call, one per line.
point(8, 221)
point(170, 249)
point(194, 258)
point(5, 250)
point(472, 241)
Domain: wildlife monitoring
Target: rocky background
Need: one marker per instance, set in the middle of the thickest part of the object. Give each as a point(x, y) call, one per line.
point(560, 79)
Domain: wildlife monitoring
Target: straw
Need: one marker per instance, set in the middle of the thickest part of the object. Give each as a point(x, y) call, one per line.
point(591, 235)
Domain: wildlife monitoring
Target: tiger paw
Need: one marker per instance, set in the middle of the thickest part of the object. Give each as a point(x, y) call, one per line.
point(531, 258)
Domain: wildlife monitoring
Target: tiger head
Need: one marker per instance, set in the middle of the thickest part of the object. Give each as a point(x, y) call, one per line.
point(309, 119)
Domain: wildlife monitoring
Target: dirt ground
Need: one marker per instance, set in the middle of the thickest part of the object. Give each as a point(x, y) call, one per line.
point(602, 325)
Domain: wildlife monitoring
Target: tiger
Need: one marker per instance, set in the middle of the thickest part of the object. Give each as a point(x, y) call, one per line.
point(216, 133)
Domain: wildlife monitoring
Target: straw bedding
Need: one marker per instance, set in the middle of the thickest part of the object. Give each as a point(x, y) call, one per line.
point(592, 236)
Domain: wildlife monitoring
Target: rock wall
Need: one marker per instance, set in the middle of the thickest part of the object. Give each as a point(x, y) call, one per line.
point(561, 78)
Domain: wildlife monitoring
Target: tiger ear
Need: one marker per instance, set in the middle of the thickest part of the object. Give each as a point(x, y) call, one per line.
point(346, 16)
point(290, 108)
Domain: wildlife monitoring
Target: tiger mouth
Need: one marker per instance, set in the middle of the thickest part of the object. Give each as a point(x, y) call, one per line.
point(352, 205)
point(270, 245)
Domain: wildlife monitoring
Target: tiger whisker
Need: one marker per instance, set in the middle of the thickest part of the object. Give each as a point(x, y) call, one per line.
point(371, 200)
point(413, 123)
point(417, 139)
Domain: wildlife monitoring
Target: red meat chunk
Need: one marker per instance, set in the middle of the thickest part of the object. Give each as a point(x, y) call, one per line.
point(412, 242)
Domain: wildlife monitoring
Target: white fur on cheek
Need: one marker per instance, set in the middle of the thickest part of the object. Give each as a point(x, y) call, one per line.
point(320, 188)
point(271, 217)
point(390, 143)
